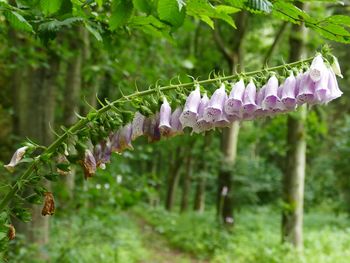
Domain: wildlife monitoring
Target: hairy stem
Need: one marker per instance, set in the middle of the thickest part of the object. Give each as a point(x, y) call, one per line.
point(23, 179)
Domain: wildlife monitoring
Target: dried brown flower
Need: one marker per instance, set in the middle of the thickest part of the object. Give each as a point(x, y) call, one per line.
point(49, 205)
point(11, 232)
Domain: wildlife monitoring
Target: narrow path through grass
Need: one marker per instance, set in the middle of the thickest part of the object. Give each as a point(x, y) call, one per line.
point(159, 250)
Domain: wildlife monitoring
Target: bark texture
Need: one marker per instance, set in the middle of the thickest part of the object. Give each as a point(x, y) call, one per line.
point(294, 174)
point(234, 57)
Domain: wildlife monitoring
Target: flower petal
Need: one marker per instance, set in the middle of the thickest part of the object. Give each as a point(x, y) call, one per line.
point(306, 89)
point(164, 118)
point(16, 158)
point(249, 105)
point(317, 68)
point(234, 103)
point(214, 109)
point(137, 125)
point(271, 96)
point(189, 114)
point(176, 126)
point(288, 92)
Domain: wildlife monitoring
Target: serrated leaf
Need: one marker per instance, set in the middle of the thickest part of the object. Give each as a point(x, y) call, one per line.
point(18, 21)
point(168, 10)
point(121, 13)
point(56, 25)
point(63, 166)
point(49, 7)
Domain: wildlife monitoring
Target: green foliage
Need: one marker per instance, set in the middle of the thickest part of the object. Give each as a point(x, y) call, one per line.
point(169, 11)
point(255, 237)
point(50, 7)
point(121, 13)
point(18, 21)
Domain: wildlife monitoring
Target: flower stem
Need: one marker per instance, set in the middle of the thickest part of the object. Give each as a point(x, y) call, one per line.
point(23, 179)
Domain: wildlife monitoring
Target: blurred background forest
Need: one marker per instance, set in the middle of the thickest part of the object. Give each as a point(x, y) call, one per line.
point(164, 201)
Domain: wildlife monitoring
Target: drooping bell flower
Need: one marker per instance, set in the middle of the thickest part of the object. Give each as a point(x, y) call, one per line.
point(176, 127)
point(151, 128)
point(317, 68)
point(125, 137)
point(16, 158)
point(271, 96)
point(115, 142)
point(105, 154)
point(334, 91)
point(137, 126)
point(234, 103)
point(306, 89)
point(189, 114)
point(165, 118)
point(249, 105)
point(223, 121)
point(89, 164)
point(288, 92)
point(321, 88)
point(201, 124)
point(260, 112)
point(215, 106)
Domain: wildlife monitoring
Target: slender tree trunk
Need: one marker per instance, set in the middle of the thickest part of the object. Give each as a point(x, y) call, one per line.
point(174, 176)
point(229, 137)
point(294, 174)
point(187, 183)
point(72, 97)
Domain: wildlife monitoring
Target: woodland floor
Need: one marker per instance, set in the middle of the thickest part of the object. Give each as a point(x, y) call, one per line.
point(159, 250)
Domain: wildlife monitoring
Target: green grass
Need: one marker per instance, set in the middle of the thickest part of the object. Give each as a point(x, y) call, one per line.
point(155, 236)
point(256, 237)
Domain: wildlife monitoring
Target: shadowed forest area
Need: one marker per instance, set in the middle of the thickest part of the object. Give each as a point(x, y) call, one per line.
point(172, 131)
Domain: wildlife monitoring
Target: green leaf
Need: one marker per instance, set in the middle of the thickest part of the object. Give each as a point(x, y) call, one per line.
point(94, 32)
point(143, 6)
point(49, 7)
point(121, 13)
point(168, 11)
point(339, 20)
point(18, 21)
point(206, 12)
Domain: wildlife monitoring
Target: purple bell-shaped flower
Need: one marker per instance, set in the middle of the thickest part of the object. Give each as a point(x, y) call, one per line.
point(288, 92)
point(317, 68)
point(125, 137)
point(176, 126)
point(271, 96)
point(215, 107)
point(165, 118)
point(189, 114)
point(234, 103)
point(201, 124)
point(137, 125)
point(249, 97)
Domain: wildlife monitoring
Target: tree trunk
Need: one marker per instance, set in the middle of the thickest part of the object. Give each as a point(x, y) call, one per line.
point(187, 183)
point(72, 98)
point(199, 199)
point(229, 137)
point(174, 176)
point(294, 174)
